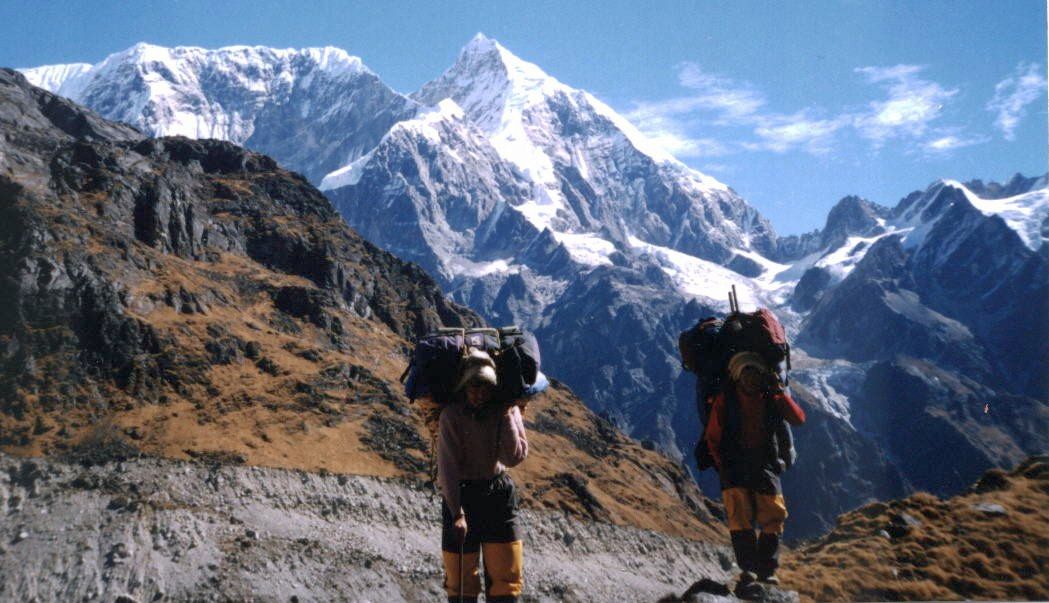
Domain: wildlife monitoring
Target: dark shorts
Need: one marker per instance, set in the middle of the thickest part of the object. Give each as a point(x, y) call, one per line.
point(751, 469)
point(490, 507)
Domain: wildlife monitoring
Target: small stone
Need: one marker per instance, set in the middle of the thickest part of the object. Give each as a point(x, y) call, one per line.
point(21, 536)
point(567, 538)
point(884, 534)
point(990, 508)
point(125, 599)
point(901, 524)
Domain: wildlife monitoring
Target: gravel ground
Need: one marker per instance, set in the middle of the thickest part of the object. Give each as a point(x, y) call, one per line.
point(163, 530)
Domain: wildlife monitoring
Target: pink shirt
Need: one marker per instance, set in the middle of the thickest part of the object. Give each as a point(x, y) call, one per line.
point(469, 448)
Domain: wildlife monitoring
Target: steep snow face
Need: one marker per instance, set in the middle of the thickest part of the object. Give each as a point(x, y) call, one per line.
point(1024, 213)
point(435, 191)
point(64, 80)
point(710, 282)
point(592, 171)
point(315, 109)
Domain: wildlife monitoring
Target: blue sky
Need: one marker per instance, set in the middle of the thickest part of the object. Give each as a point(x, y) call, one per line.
point(793, 104)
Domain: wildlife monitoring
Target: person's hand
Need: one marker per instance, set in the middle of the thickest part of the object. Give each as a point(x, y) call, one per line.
point(460, 529)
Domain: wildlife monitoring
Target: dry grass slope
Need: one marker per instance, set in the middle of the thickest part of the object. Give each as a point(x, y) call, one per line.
point(991, 543)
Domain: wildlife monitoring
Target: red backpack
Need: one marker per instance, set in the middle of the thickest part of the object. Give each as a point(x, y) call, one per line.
point(757, 332)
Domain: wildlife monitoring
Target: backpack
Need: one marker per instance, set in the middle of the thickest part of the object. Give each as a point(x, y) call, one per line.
point(706, 349)
point(516, 363)
point(702, 354)
point(436, 363)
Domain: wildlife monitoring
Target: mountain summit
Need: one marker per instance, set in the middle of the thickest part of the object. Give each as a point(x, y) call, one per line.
point(314, 108)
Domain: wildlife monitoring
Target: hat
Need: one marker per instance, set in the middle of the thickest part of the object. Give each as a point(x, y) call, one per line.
point(477, 366)
point(744, 360)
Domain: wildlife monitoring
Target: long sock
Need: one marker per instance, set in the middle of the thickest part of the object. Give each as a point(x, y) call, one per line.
point(744, 544)
point(768, 554)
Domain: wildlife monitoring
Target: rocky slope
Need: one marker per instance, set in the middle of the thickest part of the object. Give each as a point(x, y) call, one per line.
point(990, 542)
point(197, 301)
point(149, 529)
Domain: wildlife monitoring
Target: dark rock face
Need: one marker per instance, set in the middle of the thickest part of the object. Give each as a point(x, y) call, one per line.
point(1017, 185)
point(90, 205)
point(922, 413)
point(957, 299)
point(946, 321)
point(838, 469)
point(810, 288)
point(849, 217)
point(617, 317)
point(874, 314)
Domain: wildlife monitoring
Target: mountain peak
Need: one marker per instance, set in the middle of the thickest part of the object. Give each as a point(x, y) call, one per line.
point(486, 55)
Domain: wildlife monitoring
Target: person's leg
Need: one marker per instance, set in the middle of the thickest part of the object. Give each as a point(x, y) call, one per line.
point(739, 508)
point(503, 570)
point(470, 588)
point(502, 545)
point(772, 512)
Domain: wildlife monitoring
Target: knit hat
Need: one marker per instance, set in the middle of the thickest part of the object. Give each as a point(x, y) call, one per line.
point(743, 360)
point(477, 366)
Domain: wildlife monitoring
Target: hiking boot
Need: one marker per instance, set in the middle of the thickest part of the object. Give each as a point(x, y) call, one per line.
point(769, 579)
point(748, 587)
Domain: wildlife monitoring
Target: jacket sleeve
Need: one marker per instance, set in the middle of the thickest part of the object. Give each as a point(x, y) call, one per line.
point(448, 471)
point(789, 409)
point(513, 443)
point(716, 428)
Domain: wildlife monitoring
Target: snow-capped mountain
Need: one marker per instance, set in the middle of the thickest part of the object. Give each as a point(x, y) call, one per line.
point(824, 258)
point(594, 175)
point(315, 109)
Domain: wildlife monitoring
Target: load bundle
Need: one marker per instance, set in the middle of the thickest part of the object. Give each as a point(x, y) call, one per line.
point(707, 347)
point(434, 372)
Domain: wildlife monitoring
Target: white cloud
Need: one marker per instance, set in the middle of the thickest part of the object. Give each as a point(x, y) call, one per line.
point(670, 134)
point(944, 144)
point(911, 105)
point(733, 100)
point(736, 112)
point(1013, 94)
point(782, 133)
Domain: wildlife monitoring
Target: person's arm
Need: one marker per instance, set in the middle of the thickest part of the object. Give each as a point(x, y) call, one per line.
point(715, 429)
point(789, 409)
point(513, 443)
point(448, 464)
